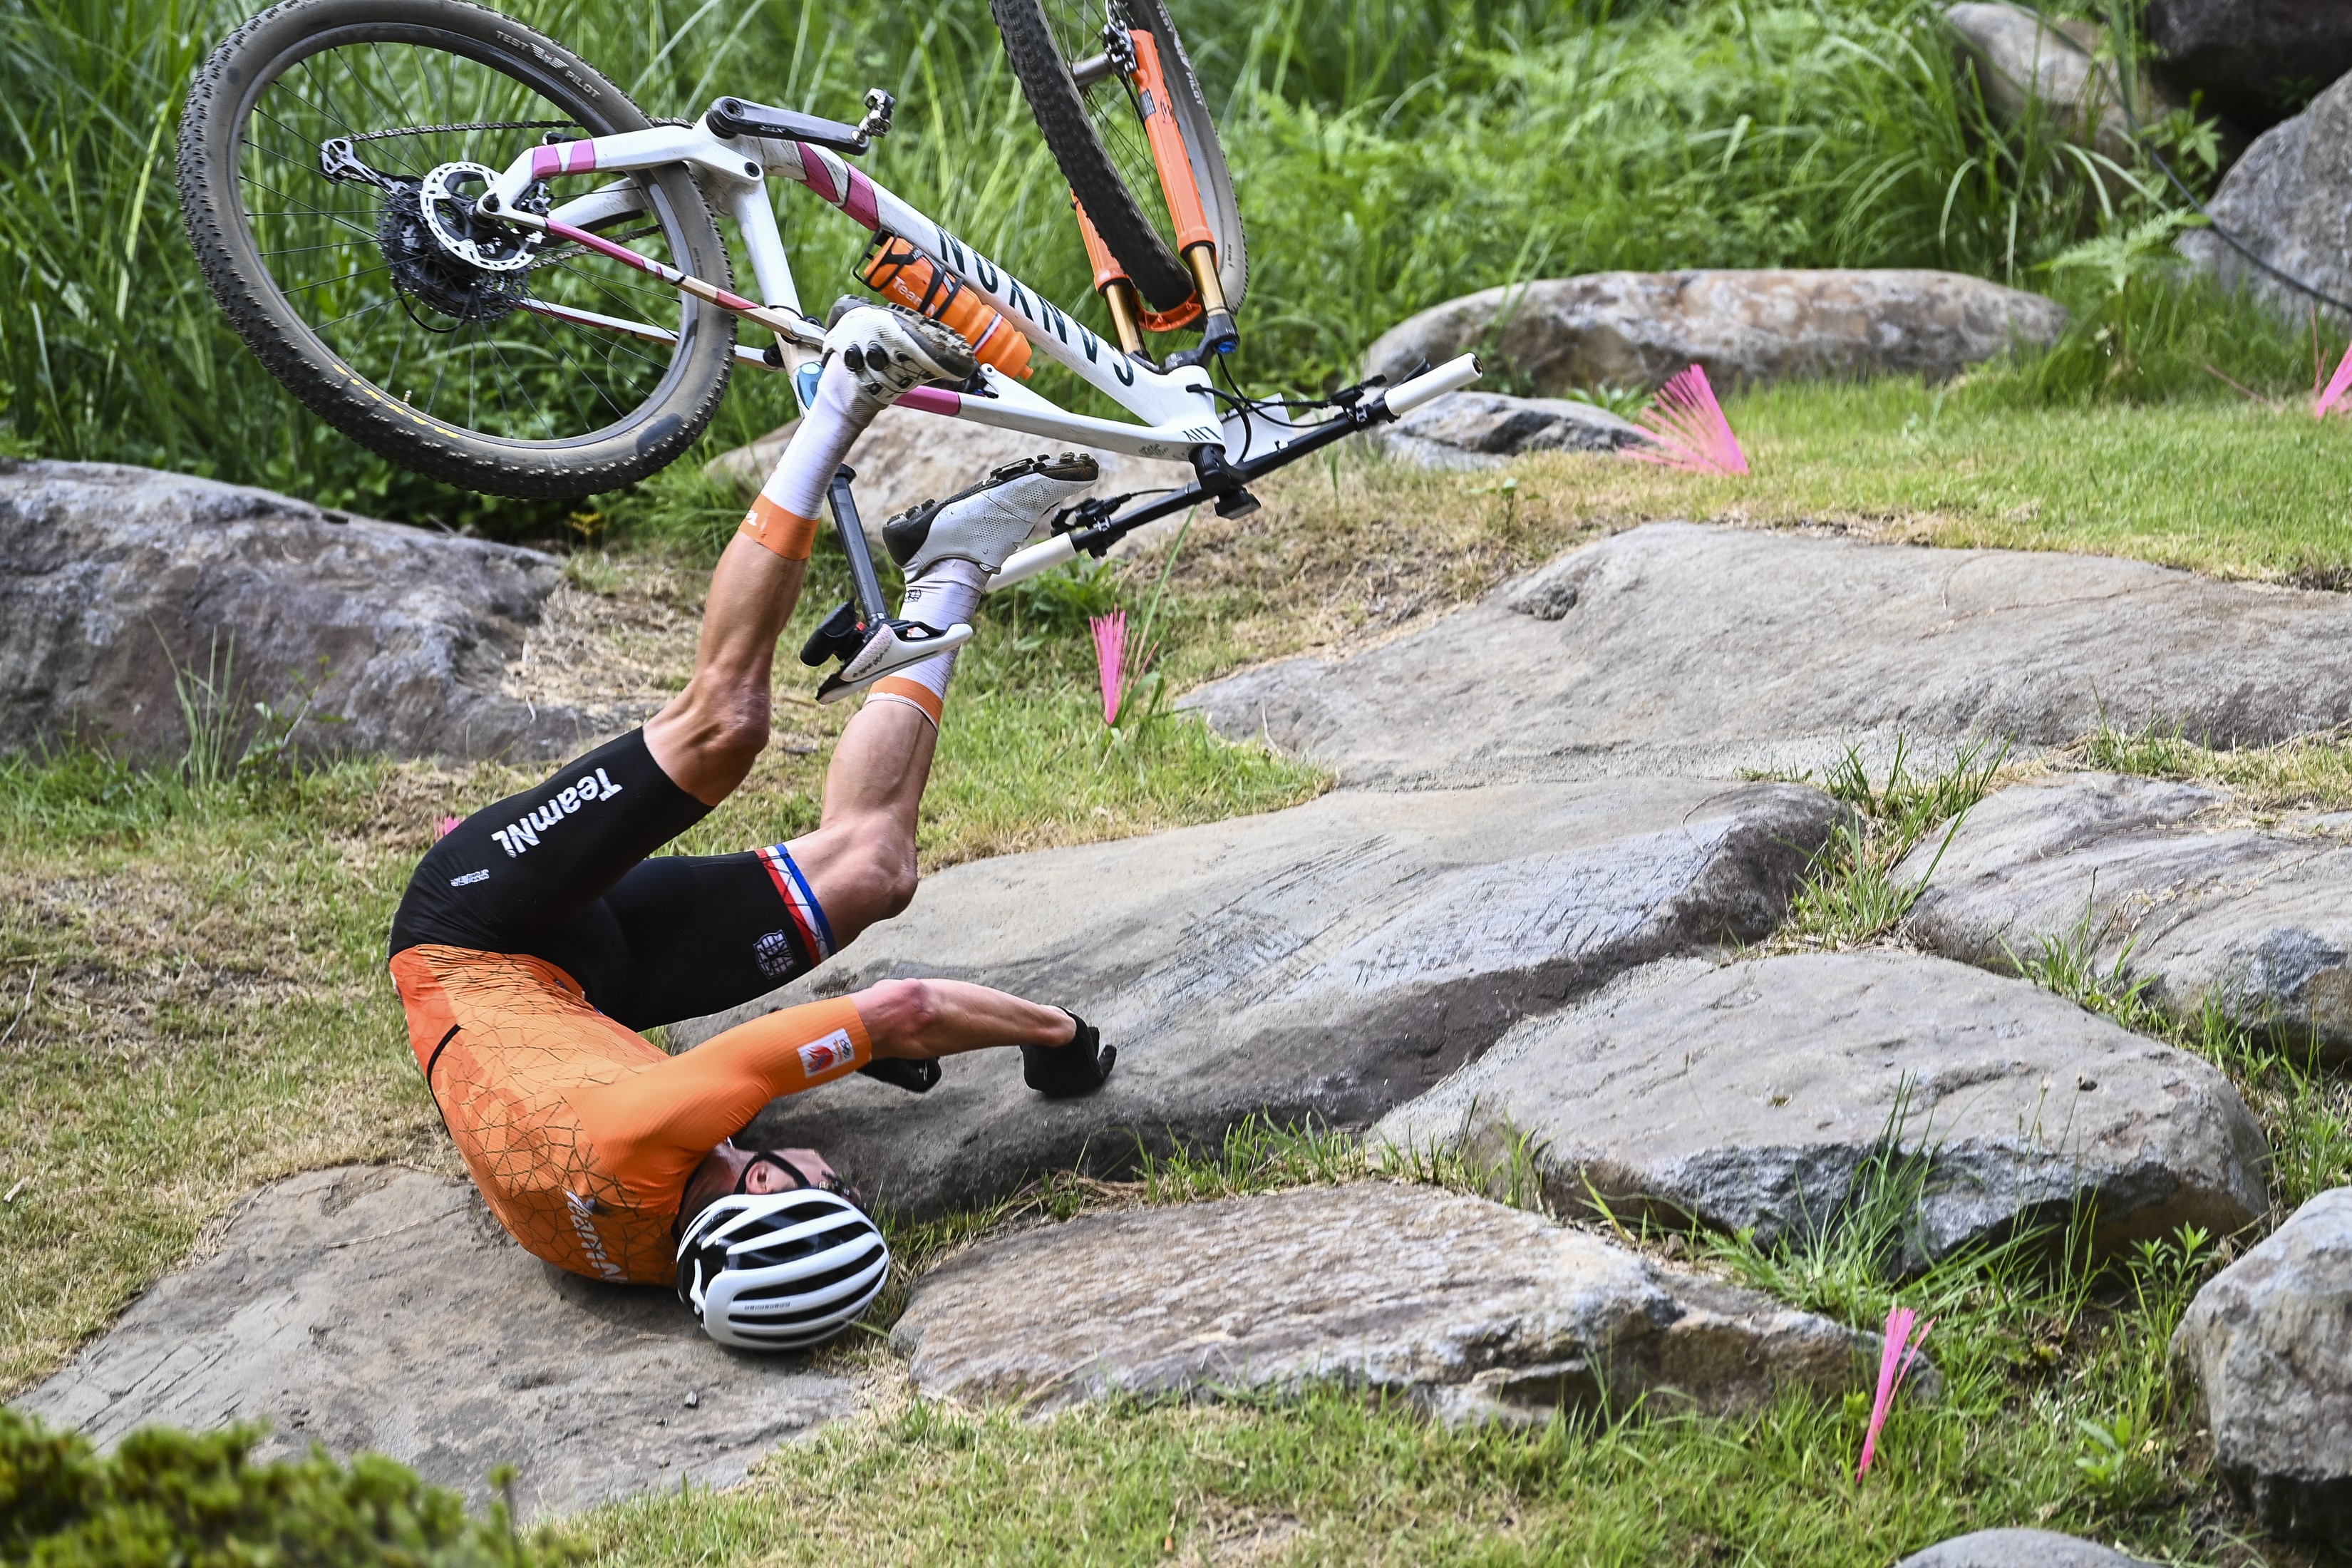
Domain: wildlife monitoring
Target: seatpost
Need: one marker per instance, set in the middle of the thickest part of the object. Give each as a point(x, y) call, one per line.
point(871, 610)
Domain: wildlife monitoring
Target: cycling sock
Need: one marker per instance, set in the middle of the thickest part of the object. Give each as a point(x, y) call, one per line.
point(783, 517)
point(946, 594)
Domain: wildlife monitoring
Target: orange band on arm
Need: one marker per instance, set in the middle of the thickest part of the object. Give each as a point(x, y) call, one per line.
point(653, 1127)
point(913, 693)
point(787, 534)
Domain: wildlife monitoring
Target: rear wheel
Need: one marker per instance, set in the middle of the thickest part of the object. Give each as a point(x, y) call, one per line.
point(329, 158)
point(1090, 116)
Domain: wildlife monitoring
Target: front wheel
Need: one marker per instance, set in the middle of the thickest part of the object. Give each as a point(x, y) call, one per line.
point(1092, 122)
point(328, 158)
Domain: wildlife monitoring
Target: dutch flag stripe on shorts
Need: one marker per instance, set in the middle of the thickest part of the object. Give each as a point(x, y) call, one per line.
point(816, 935)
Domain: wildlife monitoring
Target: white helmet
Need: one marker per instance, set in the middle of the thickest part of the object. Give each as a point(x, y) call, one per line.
point(781, 1271)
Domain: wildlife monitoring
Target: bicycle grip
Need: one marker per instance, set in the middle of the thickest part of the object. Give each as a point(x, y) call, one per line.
point(1432, 384)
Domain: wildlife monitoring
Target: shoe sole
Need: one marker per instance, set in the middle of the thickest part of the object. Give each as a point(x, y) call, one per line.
point(913, 526)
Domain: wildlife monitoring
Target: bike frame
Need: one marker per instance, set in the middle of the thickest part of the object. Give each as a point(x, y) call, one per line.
point(1176, 410)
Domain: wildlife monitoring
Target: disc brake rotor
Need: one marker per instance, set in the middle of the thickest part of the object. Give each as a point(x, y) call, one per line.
point(446, 257)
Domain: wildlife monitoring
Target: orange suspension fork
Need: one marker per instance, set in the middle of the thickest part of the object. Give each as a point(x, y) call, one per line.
point(1194, 242)
point(1112, 283)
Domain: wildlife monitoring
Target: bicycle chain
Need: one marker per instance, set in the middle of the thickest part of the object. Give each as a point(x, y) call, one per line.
point(473, 125)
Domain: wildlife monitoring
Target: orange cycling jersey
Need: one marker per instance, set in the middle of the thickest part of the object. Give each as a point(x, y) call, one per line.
point(580, 1132)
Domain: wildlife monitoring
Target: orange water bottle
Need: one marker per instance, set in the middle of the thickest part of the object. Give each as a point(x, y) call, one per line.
point(905, 276)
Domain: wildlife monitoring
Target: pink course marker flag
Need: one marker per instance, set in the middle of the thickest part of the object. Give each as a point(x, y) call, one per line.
point(1110, 659)
point(1688, 429)
point(1896, 1355)
point(2337, 385)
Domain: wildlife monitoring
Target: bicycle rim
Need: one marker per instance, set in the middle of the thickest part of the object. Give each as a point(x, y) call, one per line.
point(364, 269)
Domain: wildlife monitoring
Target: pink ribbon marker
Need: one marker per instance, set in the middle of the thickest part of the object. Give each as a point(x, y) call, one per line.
point(1110, 659)
point(1895, 1355)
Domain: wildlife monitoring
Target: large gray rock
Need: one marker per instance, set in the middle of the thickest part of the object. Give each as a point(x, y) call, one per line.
point(1748, 329)
point(373, 1308)
point(906, 457)
point(2257, 60)
point(1464, 1307)
point(1327, 961)
point(1675, 648)
point(2288, 200)
point(2018, 1549)
point(2266, 1343)
point(1760, 1095)
point(2150, 876)
point(2026, 65)
point(110, 575)
point(1485, 429)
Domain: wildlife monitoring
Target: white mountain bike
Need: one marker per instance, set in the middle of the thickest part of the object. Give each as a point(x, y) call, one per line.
point(463, 246)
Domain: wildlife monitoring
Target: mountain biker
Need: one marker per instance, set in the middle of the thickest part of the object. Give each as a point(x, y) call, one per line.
point(537, 937)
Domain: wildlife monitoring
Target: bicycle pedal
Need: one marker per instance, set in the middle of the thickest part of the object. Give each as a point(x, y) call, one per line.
point(892, 646)
point(838, 637)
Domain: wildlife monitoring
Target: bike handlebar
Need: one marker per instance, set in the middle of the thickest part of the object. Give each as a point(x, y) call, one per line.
point(1361, 414)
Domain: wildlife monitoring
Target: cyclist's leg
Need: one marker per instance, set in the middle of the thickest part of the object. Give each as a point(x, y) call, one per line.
point(861, 858)
point(536, 862)
point(710, 734)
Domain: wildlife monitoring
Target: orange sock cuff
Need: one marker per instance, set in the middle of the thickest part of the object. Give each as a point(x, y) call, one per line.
point(914, 694)
point(787, 534)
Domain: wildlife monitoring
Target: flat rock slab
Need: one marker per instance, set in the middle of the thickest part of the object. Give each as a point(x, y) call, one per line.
point(1760, 1095)
point(1678, 648)
point(2018, 1549)
point(111, 575)
point(1748, 327)
point(1466, 1307)
point(2150, 876)
point(373, 1308)
point(2266, 1344)
point(1486, 429)
point(1327, 961)
point(2289, 200)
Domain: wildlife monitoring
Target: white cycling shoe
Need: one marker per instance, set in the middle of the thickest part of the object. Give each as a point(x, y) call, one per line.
point(988, 521)
point(891, 351)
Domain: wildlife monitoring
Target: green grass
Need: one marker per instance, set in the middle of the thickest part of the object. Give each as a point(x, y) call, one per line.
point(1850, 893)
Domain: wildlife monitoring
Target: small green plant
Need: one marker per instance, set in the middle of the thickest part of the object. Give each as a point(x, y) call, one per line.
point(166, 1496)
point(1505, 1163)
point(2106, 1456)
point(222, 748)
point(1622, 401)
point(1259, 1155)
point(2152, 750)
point(1851, 892)
point(2068, 962)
